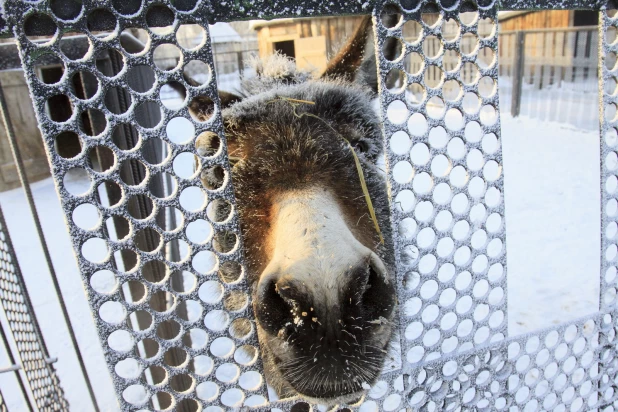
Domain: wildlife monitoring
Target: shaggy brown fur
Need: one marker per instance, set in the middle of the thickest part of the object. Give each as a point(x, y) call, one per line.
point(277, 150)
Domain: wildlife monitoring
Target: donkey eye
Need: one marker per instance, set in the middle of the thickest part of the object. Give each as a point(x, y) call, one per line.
point(361, 146)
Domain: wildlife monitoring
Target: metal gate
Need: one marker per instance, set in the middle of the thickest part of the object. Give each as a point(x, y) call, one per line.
point(32, 353)
point(170, 347)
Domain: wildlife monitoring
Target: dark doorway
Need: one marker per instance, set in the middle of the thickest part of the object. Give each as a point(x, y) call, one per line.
point(585, 18)
point(286, 48)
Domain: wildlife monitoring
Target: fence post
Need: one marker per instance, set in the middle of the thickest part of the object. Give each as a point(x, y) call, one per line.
point(518, 72)
point(240, 62)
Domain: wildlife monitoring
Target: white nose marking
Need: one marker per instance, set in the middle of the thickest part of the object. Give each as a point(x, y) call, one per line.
point(312, 243)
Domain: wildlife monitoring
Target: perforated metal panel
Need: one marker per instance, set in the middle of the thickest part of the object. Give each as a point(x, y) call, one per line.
point(41, 376)
point(171, 339)
point(442, 129)
point(173, 346)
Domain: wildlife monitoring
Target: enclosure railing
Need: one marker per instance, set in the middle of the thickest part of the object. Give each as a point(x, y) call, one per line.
point(559, 76)
point(41, 388)
point(455, 352)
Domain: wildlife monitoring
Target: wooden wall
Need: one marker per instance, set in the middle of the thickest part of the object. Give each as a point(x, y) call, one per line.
point(544, 19)
point(336, 31)
point(26, 130)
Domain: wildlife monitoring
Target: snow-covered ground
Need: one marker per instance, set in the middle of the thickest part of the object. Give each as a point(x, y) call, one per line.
point(552, 201)
point(574, 103)
point(552, 207)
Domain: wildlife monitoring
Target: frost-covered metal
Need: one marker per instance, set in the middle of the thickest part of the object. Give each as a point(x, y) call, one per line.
point(159, 354)
point(33, 357)
point(445, 164)
point(180, 344)
point(265, 9)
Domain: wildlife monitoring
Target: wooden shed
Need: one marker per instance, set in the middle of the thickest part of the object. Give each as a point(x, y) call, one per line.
point(309, 41)
point(547, 19)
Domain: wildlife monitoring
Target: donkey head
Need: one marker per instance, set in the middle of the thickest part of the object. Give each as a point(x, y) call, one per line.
point(323, 283)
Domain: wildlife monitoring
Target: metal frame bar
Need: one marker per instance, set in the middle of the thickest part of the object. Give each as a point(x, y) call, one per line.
point(16, 367)
point(265, 9)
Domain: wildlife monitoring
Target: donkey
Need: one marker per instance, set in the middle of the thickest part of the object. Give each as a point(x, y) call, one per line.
point(322, 277)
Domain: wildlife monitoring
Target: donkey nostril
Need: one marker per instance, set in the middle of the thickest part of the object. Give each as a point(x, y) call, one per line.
point(272, 311)
point(378, 298)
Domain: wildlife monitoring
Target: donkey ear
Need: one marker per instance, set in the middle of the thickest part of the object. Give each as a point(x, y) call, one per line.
point(350, 57)
point(356, 61)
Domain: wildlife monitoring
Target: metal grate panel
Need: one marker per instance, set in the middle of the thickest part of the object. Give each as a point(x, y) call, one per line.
point(167, 344)
point(556, 369)
point(41, 376)
point(443, 134)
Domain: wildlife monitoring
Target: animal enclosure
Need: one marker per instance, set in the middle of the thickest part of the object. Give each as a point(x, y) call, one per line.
point(159, 295)
point(559, 76)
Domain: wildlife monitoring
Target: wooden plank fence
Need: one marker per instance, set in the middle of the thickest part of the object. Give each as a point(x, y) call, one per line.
point(559, 75)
